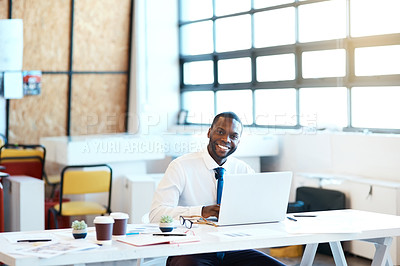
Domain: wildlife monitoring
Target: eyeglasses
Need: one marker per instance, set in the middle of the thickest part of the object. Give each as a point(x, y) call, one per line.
point(188, 221)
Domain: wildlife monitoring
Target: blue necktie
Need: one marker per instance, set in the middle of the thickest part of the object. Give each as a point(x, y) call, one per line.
point(219, 175)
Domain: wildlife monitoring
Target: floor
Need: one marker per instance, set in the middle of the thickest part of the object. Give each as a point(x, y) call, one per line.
point(320, 260)
point(325, 260)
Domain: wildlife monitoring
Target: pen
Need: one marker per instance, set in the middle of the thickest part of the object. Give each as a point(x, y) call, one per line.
point(292, 219)
point(161, 234)
point(133, 233)
point(34, 240)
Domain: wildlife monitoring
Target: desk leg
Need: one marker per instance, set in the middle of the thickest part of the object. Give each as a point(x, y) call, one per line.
point(382, 254)
point(309, 254)
point(338, 254)
point(139, 262)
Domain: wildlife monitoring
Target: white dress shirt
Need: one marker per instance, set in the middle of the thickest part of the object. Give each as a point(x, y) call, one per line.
point(189, 184)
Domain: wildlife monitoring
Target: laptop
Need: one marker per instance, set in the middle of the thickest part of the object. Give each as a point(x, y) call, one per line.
point(254, 198)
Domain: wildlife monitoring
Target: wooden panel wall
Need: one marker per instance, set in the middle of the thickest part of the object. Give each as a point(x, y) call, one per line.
point(3, 9)
point(100, 43)
point(101, 35)
point(46, 33)
point(90, 113)
point(43, 115)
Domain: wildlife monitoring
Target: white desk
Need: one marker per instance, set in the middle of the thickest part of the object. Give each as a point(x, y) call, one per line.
point(376, 228)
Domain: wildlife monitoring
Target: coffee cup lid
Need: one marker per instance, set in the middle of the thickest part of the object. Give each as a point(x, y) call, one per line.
point(119, 215)
point(103, 220)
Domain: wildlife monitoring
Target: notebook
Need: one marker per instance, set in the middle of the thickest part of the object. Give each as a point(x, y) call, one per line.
point(254, 198)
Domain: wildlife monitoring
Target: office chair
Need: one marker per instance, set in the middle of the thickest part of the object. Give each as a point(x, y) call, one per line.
point(18, 159)
point(29, 160)
point(320, 199)
point(80, 180)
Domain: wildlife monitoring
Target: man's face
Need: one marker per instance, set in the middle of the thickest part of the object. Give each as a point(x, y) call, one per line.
point(224, 137)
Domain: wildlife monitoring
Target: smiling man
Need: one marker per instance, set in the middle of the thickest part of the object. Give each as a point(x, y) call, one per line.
point(189, 187)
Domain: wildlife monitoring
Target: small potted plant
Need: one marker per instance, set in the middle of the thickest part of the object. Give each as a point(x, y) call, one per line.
point(166, 223)
point(79, 229)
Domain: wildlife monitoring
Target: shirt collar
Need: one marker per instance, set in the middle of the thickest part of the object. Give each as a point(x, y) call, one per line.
point(209, 161)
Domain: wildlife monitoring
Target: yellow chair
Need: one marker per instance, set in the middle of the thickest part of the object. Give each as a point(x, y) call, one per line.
point(53, 181)
point(80, 180)
point(27, 159)
point(19, 159)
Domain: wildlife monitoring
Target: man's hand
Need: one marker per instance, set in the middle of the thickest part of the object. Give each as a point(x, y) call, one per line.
point(211, 210)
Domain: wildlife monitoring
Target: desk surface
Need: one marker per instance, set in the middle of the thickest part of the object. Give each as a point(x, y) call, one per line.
point(350, 225)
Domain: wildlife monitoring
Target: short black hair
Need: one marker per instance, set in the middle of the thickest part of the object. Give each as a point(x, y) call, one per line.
point(227, 115)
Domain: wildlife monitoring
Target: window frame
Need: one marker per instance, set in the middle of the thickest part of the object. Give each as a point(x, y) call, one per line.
point(349, 44)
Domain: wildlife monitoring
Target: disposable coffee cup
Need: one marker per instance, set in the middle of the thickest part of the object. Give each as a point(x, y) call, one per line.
point(104, 227)
point(120, 223)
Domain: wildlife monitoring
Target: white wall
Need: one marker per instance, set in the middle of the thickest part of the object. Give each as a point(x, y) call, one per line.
point(374, 156)
point(154, 92)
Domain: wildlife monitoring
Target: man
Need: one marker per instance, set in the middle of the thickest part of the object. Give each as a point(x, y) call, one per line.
point(189, 187)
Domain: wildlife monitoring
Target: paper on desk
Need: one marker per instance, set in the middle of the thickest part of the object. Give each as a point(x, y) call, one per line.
point(143, 228)
point(246, 233)
point(146, 240)
point(14, 238)
point(54, 248)
point(49, 249)
point(319, 225)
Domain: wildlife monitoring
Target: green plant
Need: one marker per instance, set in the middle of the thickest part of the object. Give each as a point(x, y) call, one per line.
point(79, 225)
point(166, 219)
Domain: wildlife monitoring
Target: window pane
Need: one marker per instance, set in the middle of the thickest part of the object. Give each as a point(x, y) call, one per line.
point(323, 107)
point(238, 101)
point(371, 17)
point(382, 60)
point(196, 9)
point(328, 63)
point(225, 7)
point(197, 38)
point(233, 33)
point(322, 21)
point(234, 70)
point(267, 3)
point(200, 106)
point(200, 72)
point(276, 107)
point(275, 67)
point(375, 107)
point(282, 32)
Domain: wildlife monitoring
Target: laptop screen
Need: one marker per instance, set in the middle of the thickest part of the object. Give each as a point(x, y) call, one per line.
point(255, 198)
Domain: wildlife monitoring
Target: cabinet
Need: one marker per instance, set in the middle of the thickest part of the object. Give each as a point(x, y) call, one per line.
point(23, 204)
point(361, 194)
point(139, 190)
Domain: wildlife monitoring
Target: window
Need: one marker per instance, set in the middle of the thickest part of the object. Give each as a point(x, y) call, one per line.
point(292, 63)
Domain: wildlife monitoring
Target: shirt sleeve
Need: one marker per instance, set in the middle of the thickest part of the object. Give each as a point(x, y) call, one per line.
point(166, 196)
